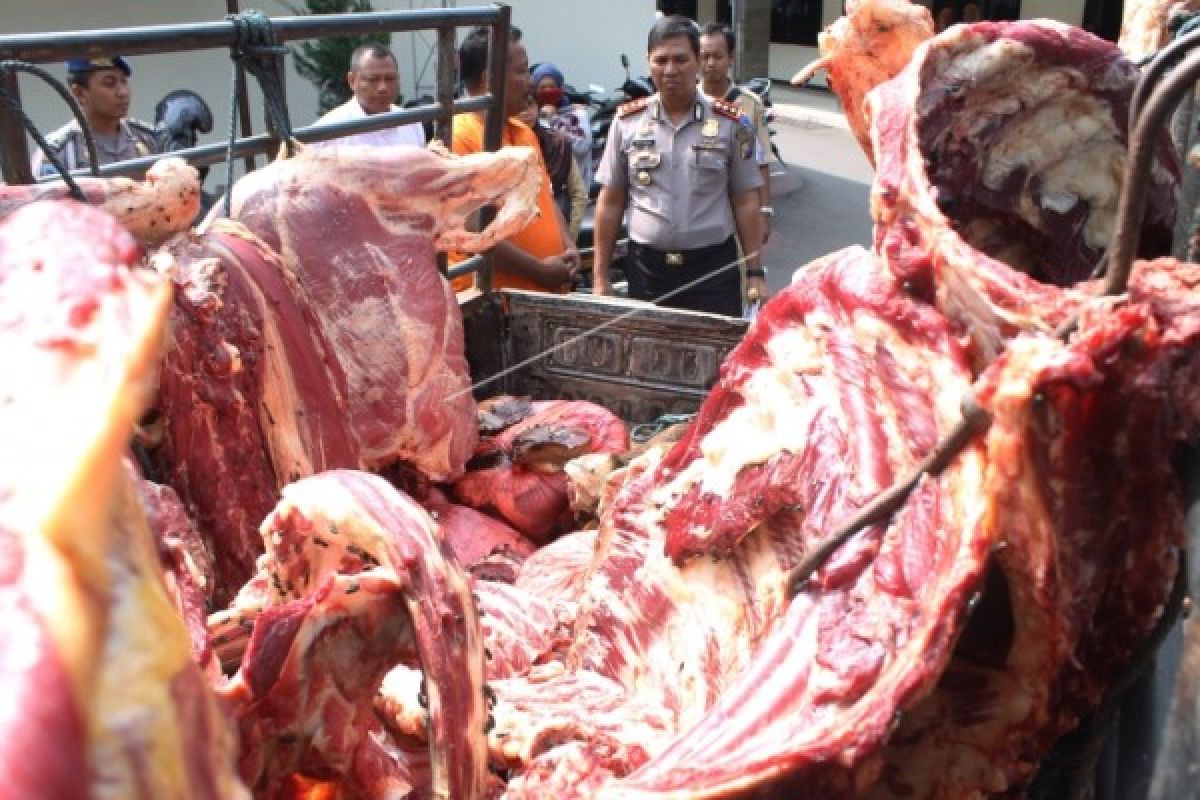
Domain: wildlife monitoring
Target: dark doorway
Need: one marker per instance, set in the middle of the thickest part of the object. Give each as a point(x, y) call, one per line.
point(685, 8)
point(951, 12)
point(725, 12)
point(1103, 18)
point(796, 21)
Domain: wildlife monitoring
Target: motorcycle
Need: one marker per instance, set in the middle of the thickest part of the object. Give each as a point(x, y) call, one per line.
point(179, 119)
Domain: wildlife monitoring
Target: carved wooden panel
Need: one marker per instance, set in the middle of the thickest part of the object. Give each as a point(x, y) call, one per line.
point(639, 361)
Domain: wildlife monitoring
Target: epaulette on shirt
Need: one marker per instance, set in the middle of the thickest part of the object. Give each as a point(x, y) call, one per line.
point(727, 110)
point(632, 107)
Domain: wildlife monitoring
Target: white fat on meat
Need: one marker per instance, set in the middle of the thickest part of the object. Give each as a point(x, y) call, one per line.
point(1061, 134)
point(780, 407)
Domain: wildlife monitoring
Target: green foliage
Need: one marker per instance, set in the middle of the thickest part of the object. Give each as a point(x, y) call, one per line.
point(325, 62)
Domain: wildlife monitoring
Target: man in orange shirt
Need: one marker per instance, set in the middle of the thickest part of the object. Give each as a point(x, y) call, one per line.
point(541, 256)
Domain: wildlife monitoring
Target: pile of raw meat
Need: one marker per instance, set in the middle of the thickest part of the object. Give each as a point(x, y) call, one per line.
point(354, 581)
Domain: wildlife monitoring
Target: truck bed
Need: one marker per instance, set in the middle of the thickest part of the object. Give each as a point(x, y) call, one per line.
point(638, 360)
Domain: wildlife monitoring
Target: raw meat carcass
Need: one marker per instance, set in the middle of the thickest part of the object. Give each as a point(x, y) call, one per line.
point(154, 209)
point(101, 697)
point(1000, 151)
point(870, 44)
point(797, 420)
point(356, 582)
point(314, 332)
point(517, 473)
point(1087, 518)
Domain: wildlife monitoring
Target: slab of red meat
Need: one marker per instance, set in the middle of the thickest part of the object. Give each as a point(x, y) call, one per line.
point(328, 340)
point(1087, 517)
point(154, 209)
point(483, 545)
point(839, 388)
point(675, 678)
point(245, 393)
point(359, 228)
point(101, 694)
point(1000, 151)
point(186, 564)
point(357, 582)
point(521, 478)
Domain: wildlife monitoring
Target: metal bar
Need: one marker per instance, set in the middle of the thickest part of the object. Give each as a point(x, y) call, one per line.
point(493, 129)
point(263, 143)
point(1131, 205)
point(465, 267)
point(1153, 72)
point(13, 148)
point(443, 129)
point(242, 94)
point(444, 124)
point(45, 47)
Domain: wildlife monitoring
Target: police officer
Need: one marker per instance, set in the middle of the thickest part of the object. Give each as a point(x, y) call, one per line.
point(685, 166)
point(101, 85)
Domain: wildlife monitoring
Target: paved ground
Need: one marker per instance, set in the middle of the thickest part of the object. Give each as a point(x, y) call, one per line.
point(821, 196)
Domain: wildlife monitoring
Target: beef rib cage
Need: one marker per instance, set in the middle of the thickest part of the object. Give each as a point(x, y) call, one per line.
point(1000, 151)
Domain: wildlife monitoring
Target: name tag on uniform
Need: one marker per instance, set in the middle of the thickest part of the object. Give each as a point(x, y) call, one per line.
point(645, 160)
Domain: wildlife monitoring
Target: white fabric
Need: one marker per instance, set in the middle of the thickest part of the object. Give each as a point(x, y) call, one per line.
point(411, 134)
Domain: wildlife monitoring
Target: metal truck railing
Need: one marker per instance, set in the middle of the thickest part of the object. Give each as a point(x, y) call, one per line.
point(234, 33)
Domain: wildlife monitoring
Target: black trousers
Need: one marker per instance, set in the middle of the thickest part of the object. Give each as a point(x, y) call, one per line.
point(652, 274)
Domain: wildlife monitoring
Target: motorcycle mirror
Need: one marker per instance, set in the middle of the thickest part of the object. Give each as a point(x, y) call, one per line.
point(624, 61)
point(595, 88)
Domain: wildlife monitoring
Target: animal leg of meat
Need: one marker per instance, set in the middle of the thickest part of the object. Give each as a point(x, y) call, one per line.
point(357, 584)
point(154, 209)
point(870, 44)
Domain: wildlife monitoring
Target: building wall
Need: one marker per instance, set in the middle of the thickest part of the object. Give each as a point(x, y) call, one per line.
point(1068, 11)
point(586, 46)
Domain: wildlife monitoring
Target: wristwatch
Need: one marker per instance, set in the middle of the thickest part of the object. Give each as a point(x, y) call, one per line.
point(770, 212)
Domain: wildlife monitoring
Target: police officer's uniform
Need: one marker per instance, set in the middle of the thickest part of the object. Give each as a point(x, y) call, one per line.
point(680, 183)
point(133, 139)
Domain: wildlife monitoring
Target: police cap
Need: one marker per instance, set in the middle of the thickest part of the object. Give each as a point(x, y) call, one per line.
point(79, 66)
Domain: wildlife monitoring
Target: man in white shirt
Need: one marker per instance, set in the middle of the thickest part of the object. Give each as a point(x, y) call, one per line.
point(374, 77)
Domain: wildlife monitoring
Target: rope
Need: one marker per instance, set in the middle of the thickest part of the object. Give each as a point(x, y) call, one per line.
point(256, 50)
point(14, 106)
point(648, 430)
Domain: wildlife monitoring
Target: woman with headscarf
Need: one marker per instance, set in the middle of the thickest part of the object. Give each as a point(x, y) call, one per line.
point(569, 190)
point(561, 114)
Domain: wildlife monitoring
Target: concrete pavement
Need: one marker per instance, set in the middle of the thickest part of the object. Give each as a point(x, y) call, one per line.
point(807, 107)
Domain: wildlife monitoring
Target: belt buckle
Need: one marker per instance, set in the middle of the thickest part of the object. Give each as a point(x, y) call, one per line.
point(674, 259)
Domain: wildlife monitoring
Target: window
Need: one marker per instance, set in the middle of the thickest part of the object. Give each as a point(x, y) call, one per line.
point(795, 21)
point(950, 12)
point(1103, 18)
point(686, 8)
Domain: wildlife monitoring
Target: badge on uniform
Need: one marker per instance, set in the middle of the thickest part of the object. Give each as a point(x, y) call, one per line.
point(644, 161)
point(711, 128)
